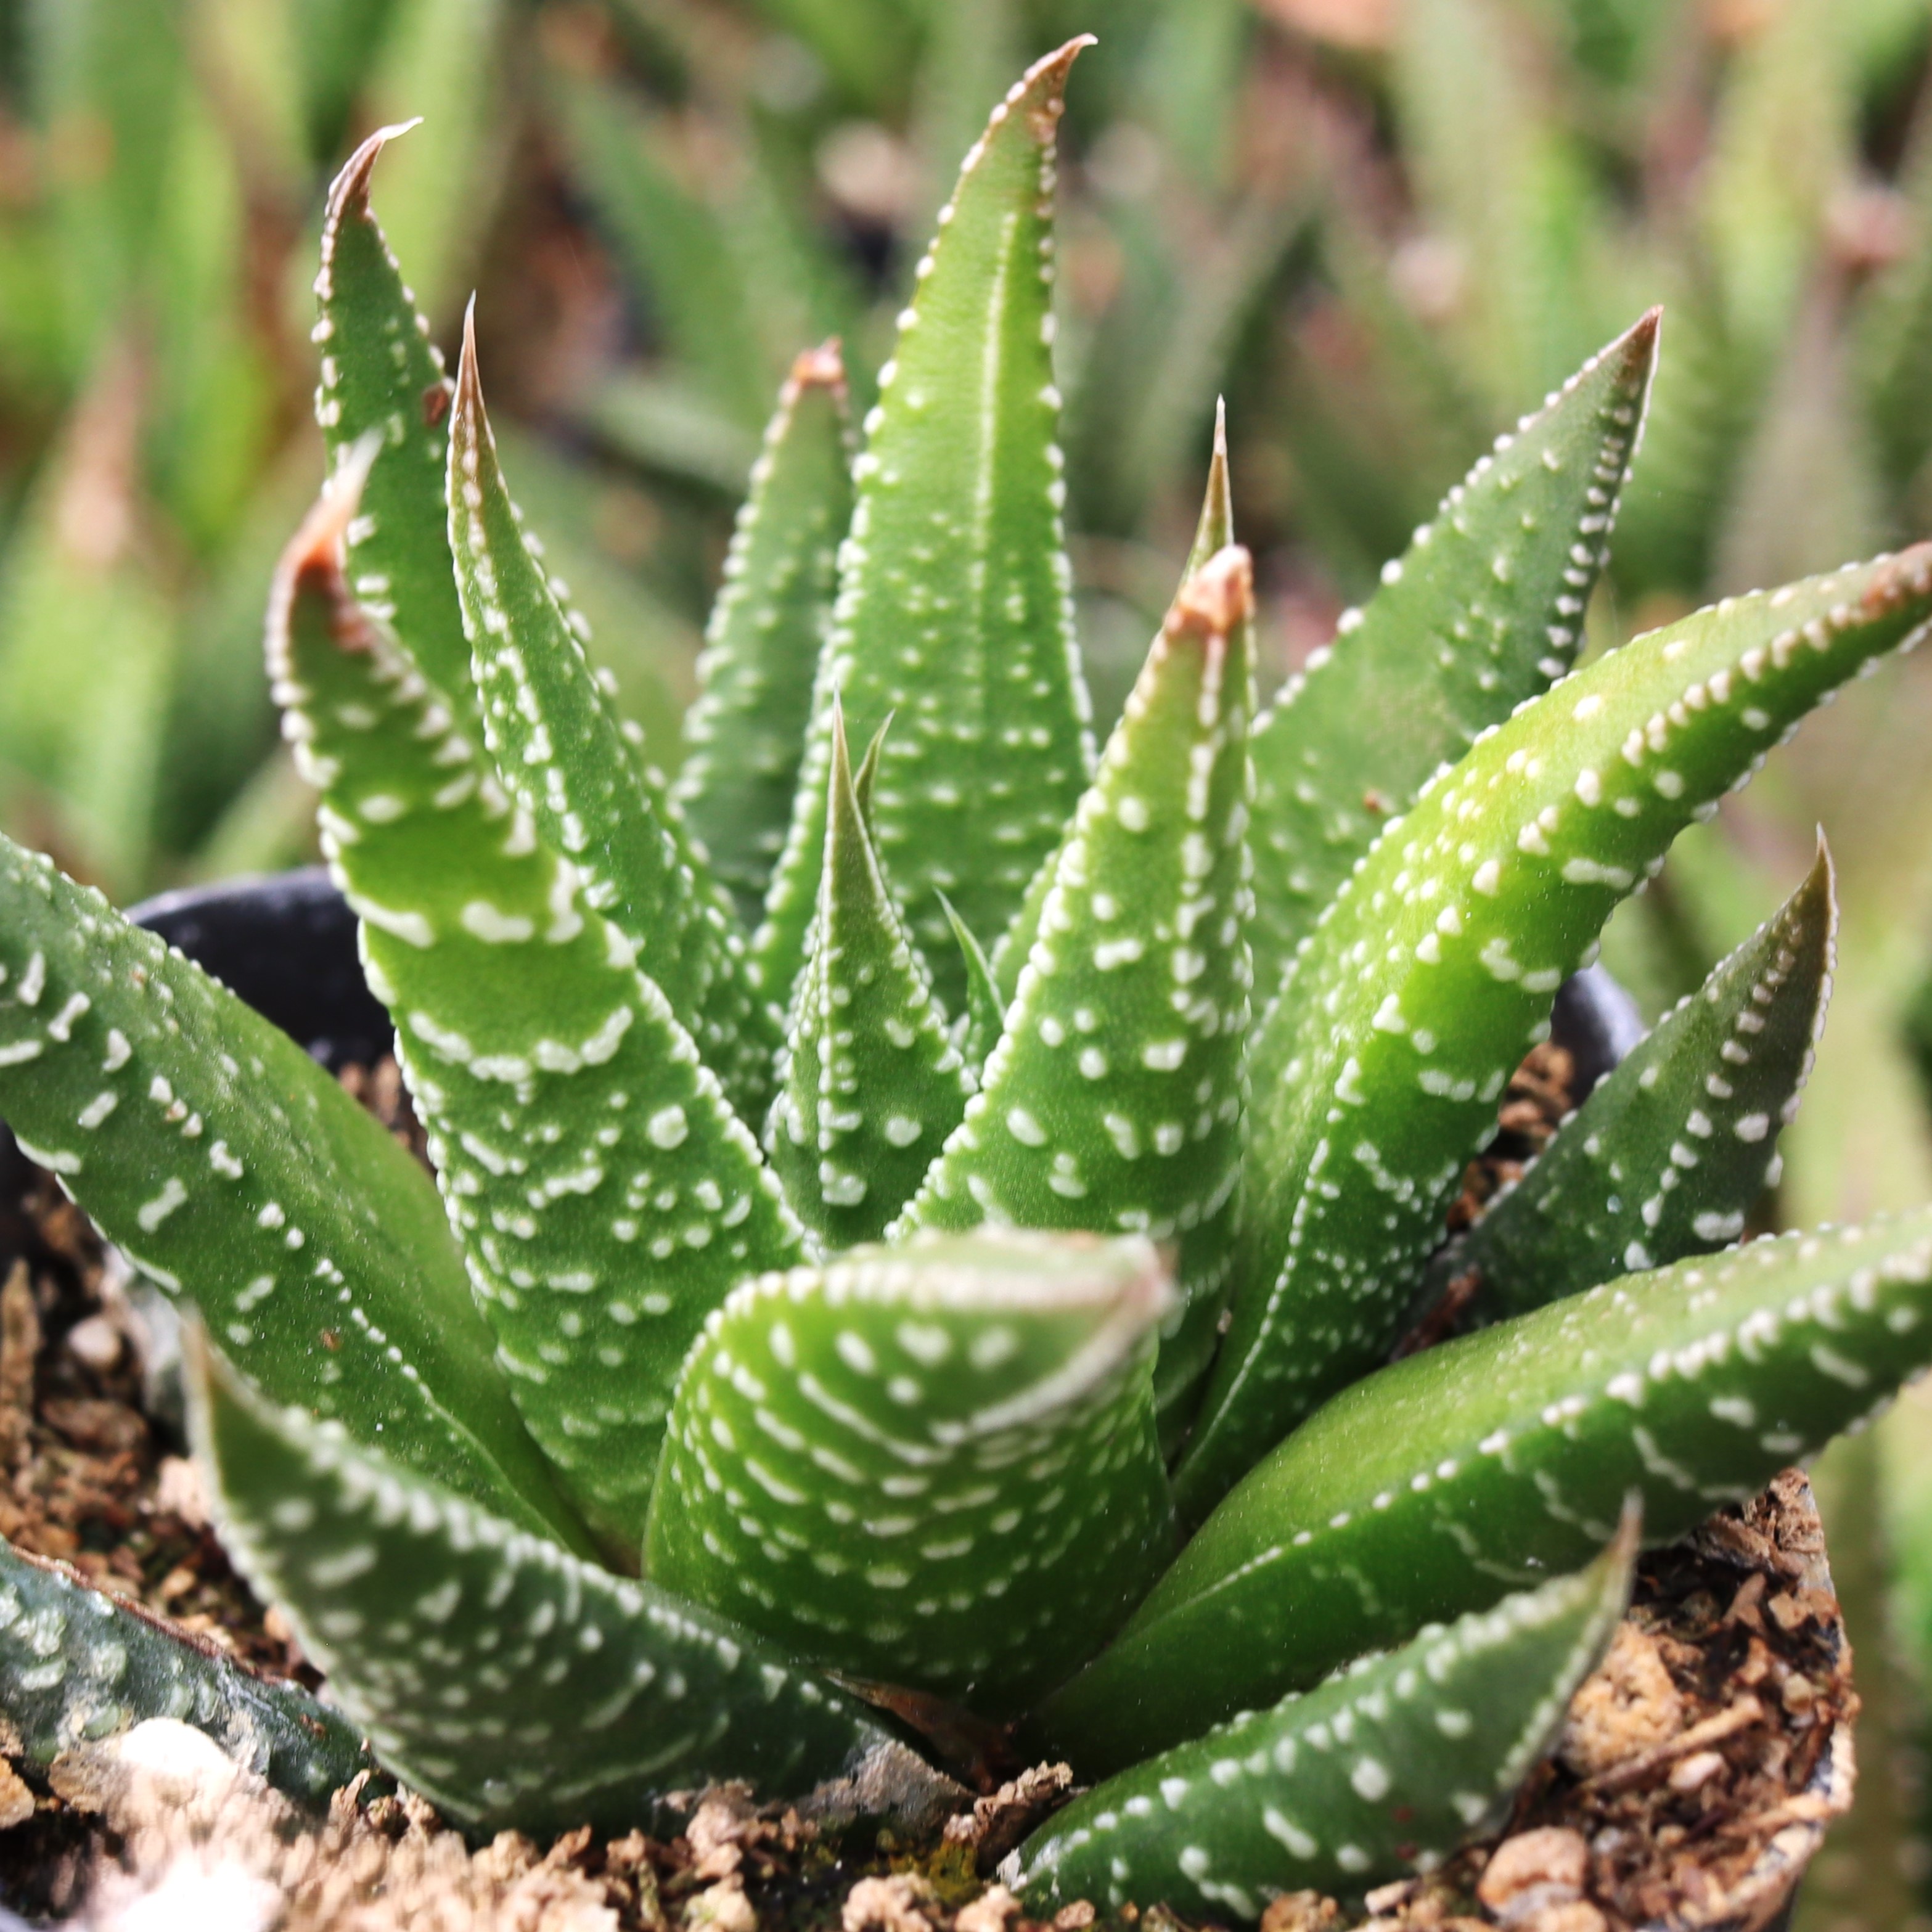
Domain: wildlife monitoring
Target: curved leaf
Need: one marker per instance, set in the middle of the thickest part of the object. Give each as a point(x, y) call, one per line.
point(605, 1196)
point(933, 1465)
point(870, 1083)
point(1484, 609)
point(508, 1682)
point(1376, 1774)
point(382, 374)
point(1435, 1485)
point(232, 1169)
point(745, 734)
point(77, 1665)
point(567, 759)
point(1376, 1074)
point(1667, 1155)
point(1113, 1101)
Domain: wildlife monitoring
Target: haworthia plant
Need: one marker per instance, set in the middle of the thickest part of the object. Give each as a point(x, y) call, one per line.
point(1705, 1094)
point(1304, 1795)
point(78, 1666)
point(894, 1312)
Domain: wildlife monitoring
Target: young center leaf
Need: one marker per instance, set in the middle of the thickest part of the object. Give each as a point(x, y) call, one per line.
point(1666, 1156)
point(1113, 1100)
point(230, 1167)
point(605, 1196)
point(870, 1083)
point(501, 1677)
point(955, 610)
point(933, 1465)
point(1376, 1774)
point(1431, 1486)
point(1375, 1075)
point(745, 734)
point(567, 758)
point(1484, 608)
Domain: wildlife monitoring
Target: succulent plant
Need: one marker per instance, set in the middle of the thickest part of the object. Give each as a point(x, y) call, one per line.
point(961, 1308)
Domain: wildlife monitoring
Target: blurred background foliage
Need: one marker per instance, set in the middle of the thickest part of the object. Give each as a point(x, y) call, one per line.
point(1381, 229)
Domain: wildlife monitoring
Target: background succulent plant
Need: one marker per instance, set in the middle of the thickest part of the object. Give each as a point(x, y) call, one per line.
point(907, 1391)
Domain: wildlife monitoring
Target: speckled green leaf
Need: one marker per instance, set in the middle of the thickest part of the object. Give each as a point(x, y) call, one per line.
point(1213, 533)
point(1483, 609)
point(955, 605)
point(1376, 1774)
point(381, 373)
point(870, 1083)
point(978, 1027)
point(567, 758)
point(508, 1682)
point(232, 1170)
point(1440, 1482)
point(1113, 1101)
point(1377, 1073)
point(744, 735)
point(77, 1666)
point(1667, 1155)
point(934, 1466)
point(605, 1195)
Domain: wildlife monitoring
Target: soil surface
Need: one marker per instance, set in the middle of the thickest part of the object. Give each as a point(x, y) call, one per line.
point(1699, 1747)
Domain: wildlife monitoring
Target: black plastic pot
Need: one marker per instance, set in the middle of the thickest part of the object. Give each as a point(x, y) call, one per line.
point(287, 946)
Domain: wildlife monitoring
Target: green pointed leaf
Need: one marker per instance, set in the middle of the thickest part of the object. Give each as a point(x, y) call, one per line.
point(568, 760)
point(955, 605)
point(1376, 1774)
point(605, 1195)
point(984, 1019)
point(1437, 1483)
point(1213, 533)
point(381, 373)
point(1377, 1073)
point(1484, 608)
point(933, 1466)
point(232, 1169)
point(510, 1683)
point(870, 1083)
point(1113, 1101)
point(744, 735)
point(1669, 1152)
point(1214, 530)
point(77, 1665)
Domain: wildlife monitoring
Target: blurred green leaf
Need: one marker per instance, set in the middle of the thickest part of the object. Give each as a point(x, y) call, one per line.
point(670, 243)
point(445, 60)
point(86, 647)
